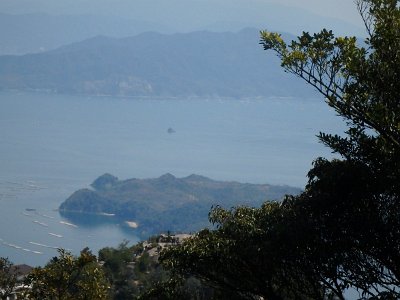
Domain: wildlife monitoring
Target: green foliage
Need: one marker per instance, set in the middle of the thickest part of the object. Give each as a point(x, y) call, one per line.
point(248, 255)
point(115, 259)
point(67, 277)
point(357, 199)
point(8, 278)
point(135, 273)
point(360, 83)
point(179, 288)
point(343, 230)
point(130, 270)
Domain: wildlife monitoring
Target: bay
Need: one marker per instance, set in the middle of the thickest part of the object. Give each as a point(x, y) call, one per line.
point(52, 145)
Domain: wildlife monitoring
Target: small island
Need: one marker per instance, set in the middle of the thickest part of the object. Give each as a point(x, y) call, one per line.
point(166, 202)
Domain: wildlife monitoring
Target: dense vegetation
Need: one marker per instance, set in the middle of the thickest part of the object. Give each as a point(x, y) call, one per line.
point(125, 272)
point(343, 231)
point(167, 202)
point(64, 277)
point(8, 278)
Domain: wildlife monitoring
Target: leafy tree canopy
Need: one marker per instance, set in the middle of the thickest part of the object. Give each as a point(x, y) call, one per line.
point(67, 277)
point(343, 231)
point(8, 278)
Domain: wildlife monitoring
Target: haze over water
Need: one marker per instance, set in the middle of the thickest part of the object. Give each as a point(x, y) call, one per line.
point(52, 145)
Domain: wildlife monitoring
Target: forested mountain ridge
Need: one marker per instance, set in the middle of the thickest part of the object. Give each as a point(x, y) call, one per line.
point(167, 202)
point(32, 28)
point(204, 64)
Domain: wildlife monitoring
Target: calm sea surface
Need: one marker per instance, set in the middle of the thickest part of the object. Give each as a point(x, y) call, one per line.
point(52, 145)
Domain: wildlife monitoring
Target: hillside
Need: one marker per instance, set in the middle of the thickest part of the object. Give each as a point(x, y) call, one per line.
point(205, 64)
point(38, 32)
point(167, 202)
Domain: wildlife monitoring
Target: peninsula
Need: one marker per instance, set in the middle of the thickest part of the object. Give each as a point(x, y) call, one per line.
point(167, 202)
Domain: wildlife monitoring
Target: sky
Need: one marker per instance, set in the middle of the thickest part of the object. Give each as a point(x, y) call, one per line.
point(161, 9)
point(340, 9)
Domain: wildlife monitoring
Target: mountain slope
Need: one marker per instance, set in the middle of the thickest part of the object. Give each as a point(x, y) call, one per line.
point(152, 64)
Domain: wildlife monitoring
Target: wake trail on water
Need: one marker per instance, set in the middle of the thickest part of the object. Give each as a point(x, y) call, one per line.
point(47, 246)
point(4, 243)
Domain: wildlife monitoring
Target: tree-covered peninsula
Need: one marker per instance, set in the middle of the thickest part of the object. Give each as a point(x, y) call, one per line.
point(167, 202)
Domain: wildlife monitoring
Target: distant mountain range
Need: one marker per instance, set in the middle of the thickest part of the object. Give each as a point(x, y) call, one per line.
point(39, 32)
point(23, 32)
point(167, 202)
point(205, 64)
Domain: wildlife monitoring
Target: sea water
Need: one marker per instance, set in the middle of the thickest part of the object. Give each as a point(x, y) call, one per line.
point(52, 145)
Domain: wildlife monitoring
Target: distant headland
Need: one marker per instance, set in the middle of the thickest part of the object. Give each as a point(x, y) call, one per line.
point(167, 202)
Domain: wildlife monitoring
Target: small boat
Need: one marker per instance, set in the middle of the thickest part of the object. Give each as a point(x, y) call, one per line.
point(55, 234)
point(106, 214)
point(171, 130)
point(68, 224)
point(46, 216)
point(40, 223)
point(43, 245)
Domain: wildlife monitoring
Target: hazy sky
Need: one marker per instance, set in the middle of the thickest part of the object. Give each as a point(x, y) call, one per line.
point(343, 9)
point(191, 14)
